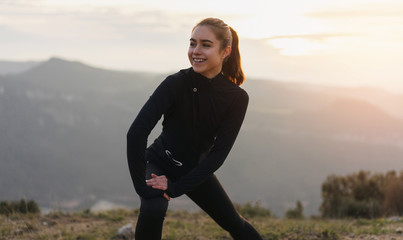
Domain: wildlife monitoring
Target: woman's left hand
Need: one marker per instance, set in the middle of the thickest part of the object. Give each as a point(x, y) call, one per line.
point(158, 182)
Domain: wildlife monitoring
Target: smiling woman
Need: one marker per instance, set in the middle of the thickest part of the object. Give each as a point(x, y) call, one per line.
point(203, 109)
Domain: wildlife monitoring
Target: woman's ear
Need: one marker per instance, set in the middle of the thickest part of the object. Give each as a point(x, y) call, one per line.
point(226, 52)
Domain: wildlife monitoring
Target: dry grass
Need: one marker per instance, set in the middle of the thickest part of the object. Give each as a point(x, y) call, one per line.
point(193, 226)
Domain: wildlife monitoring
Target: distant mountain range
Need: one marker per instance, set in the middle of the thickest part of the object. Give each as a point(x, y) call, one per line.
point(9, 67)
point(63, 129)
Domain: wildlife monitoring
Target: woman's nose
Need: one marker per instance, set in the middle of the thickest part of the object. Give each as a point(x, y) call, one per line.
point(196, 50)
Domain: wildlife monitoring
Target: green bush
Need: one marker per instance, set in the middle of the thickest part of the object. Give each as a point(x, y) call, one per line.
point(362, 195)
point(5, 208)
point(360, 209)
point(250, 210)
point(297, 213)
point(22, 207)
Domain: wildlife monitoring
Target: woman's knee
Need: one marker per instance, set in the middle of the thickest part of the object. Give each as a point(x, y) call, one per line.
point(154, 208)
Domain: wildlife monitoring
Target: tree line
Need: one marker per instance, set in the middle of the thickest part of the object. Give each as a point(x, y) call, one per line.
point(362, 195)
point(357, 195)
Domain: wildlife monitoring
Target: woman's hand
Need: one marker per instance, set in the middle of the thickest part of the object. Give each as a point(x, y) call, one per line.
point(158, 182)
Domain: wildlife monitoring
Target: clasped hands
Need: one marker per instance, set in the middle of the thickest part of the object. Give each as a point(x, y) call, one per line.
point(159, 182)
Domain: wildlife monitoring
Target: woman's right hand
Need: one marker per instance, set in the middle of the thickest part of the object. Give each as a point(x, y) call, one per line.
point(159, 182)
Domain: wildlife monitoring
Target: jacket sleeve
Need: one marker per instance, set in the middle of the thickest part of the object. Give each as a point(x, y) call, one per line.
point(158, 104)
point(225, 139)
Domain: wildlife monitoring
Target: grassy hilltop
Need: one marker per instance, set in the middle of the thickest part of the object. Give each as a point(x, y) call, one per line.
point(189, 225)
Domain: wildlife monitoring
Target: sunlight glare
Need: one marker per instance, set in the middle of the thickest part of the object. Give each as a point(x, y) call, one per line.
point(278, 23)
point(86, 2)
point(296, 46)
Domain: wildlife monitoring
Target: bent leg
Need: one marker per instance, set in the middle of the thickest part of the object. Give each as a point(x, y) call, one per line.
point(152, 212)
point(151, 218)
point(212, 198)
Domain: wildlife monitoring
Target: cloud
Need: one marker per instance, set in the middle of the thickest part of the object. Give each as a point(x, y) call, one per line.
point(375, 23)
point(130, 36)
point(313, 37)
point(380, 10)
point(10, 35)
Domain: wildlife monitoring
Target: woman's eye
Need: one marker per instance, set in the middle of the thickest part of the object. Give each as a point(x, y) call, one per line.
point(206, 45)
point(192, 44)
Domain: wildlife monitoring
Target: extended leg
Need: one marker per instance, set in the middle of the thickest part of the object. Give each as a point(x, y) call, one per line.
point(211, 197)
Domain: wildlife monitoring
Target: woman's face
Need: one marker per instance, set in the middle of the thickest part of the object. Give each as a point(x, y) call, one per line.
point(205, 54)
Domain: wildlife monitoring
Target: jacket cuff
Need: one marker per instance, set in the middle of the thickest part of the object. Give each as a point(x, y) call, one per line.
point(171, 190)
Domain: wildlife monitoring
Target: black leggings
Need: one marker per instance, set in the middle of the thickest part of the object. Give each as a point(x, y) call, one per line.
point(209, 196)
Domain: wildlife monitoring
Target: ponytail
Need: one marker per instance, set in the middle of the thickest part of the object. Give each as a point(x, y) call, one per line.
point(232, 65)
point(228, 36)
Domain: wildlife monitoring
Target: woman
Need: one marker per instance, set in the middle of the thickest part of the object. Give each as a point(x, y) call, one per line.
point(203, 109)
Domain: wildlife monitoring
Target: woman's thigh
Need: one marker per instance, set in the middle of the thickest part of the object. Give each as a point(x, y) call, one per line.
point(212, 198)
point(152, 212)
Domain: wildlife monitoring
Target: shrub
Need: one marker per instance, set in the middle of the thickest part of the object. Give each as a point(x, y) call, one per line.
point(393, 204)
point(362, 195)
point(249, 210)
point(23, 207)
point(296, 213)
point(5, 208)
point(361, 209)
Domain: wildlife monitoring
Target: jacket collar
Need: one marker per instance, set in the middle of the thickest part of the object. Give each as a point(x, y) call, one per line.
point(200, 79)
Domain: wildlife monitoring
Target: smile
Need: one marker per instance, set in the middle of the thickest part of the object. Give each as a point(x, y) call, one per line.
point(199, 60)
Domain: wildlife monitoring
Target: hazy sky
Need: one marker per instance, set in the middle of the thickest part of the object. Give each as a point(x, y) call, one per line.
point(338, 42)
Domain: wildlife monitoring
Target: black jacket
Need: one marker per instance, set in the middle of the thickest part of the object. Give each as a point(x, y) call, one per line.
point(202, 118)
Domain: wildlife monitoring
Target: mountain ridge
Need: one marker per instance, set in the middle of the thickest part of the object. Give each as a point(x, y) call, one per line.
point(13, 67)
point(64, 124)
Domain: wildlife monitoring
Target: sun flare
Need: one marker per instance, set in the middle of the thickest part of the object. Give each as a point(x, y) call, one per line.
point(290, 31)
point(296, 46)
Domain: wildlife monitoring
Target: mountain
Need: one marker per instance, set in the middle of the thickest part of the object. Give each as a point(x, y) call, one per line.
point(63, 131)
point(9, 67)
